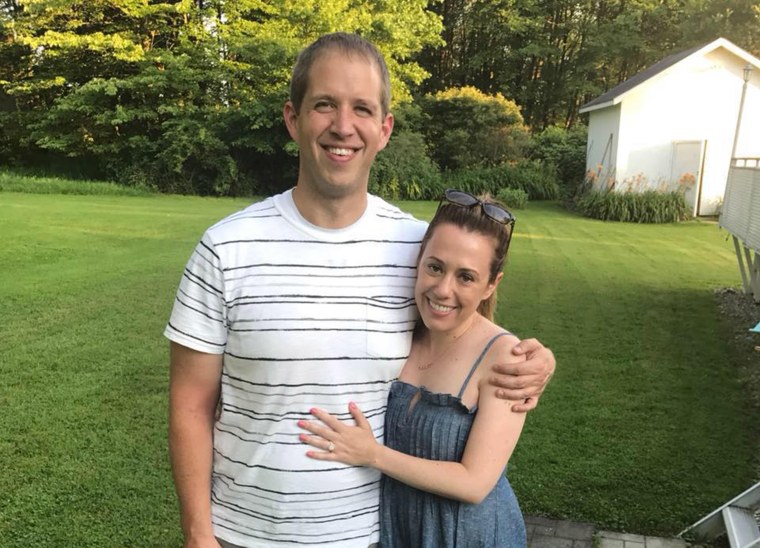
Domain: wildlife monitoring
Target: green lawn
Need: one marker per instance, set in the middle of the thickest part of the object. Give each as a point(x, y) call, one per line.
point(643, 428)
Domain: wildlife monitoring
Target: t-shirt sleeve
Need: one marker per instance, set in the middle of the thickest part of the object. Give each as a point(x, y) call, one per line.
point(198, 319)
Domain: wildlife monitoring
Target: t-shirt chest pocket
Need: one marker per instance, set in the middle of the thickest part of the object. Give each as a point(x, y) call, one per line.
point(389, 325)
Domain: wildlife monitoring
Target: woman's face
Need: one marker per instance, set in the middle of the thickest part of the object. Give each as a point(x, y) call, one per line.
point(453, 278)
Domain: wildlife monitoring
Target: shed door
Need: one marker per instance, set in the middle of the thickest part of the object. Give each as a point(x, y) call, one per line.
point(686, 170)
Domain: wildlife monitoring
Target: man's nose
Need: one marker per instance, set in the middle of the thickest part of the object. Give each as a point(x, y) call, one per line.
point(343, 121)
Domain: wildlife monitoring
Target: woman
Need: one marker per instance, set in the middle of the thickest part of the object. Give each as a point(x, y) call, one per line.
point(447, 436)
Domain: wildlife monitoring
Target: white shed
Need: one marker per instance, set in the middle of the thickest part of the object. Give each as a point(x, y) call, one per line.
point(674, 124)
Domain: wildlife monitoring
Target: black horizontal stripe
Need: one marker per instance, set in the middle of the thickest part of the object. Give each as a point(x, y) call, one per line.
point(200, 302)
point(327, 267)
point(319, 329)
point(302, 393)
point(254, 300)
point(275, 419)
point(293, 276)
point(361, 488)
point(326, 320)
point(299, 385)
point(194, 309)
point(324, 359)
point(283, 470)
point(255, 441)
point(330, 537)
point(315, 242)
point(300, 396)
point(219, 424)
point(384, 299)
point(324, 518)
point(308, 498)
point(201, 283)
point(294, 415)
point(386, 303)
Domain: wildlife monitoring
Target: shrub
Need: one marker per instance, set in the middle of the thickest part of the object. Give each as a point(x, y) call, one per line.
point(537, 180)
point(565, 149)
point(465, 128)
point(403, 171)
point(513, 198)
point(649, 206)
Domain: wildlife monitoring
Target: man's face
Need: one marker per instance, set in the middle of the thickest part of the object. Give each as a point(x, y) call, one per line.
point(340, 127)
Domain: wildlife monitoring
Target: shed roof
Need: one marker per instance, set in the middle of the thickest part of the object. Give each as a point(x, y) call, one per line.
point(614, 96)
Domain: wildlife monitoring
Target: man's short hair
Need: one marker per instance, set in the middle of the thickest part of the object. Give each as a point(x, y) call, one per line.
point(346, 43)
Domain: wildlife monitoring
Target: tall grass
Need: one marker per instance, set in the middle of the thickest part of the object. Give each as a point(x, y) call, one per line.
point(643, 428)
point(649, 206)
point(536, 179)
point(30, 184)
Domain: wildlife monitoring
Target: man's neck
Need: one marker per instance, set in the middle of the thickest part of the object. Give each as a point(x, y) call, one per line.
point(326, 212)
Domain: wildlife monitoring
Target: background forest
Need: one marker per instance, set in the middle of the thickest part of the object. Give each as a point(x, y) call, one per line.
point(186, 96)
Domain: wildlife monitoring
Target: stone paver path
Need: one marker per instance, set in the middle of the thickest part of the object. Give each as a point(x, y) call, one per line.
point(552, 533)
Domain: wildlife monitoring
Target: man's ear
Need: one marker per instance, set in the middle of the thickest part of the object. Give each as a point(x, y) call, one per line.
point(386, 129)
point(291, 118)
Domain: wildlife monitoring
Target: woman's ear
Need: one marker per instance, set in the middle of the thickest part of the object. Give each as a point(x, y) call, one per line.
point(493, 285)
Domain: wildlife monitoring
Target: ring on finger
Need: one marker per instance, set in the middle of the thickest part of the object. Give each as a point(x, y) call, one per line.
point(331, 447)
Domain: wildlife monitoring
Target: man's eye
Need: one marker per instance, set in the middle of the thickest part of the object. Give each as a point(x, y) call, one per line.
point(322, 106)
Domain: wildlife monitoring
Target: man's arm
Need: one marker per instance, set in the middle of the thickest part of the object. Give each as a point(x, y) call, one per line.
point(194, 386)
point(524, 381)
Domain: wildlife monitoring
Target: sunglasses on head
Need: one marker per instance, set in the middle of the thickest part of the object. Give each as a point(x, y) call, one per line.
point(495, 212)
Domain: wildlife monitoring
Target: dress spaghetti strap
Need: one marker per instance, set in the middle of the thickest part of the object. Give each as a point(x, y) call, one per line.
point(480, 359)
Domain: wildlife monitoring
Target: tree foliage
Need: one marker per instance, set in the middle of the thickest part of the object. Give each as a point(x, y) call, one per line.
point(183, 95)
point(551, 56)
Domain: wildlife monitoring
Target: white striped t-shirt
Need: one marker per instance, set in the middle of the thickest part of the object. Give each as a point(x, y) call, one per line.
point(305, 317)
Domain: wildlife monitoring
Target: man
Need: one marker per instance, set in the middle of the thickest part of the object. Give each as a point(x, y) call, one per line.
point(303, 300)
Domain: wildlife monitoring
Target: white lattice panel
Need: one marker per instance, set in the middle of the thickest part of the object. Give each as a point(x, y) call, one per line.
point(753, 230)
point(740, 213)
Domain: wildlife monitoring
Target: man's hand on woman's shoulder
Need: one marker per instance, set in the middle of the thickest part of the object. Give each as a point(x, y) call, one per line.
point(524, 381)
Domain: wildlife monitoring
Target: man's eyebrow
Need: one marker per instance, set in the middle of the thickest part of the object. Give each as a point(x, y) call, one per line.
point(322, 97)
point(368, 102)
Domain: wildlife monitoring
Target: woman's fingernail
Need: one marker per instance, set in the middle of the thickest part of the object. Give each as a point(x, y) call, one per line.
point(302, 437)
point(301, 423)
point(313, 410)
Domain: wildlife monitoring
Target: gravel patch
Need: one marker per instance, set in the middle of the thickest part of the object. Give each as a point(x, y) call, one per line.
point(739, 313)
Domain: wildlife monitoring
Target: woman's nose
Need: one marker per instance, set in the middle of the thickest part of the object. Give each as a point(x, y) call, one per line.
point(443, 287)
